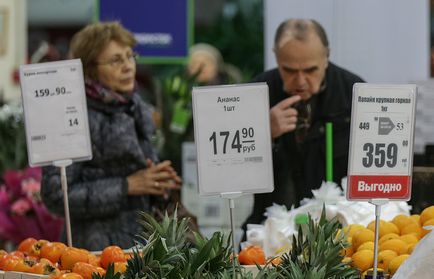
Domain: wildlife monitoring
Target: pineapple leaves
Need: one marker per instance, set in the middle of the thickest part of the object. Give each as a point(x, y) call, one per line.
point(163, 251)
point(316, 252)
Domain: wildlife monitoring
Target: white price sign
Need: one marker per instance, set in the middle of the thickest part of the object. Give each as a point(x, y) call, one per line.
point(381, 142)
point(55, 112)
point(233, 140)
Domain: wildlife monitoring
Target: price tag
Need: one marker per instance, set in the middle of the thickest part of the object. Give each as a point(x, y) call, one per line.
point(381, 142)
point(233, 140)
point(55, 112)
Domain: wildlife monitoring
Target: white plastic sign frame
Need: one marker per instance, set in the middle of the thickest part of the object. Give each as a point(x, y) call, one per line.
point(380, 161)
point(55, 112)
point(233, 139)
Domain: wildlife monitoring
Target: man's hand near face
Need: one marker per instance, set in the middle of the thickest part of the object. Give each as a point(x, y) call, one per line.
point(283, 117)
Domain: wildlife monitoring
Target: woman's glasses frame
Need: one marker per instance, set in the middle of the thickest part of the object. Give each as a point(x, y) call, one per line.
point(119, 61)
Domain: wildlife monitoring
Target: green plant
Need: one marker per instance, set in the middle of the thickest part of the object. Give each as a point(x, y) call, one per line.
point(245, 51)
point(177, 115)
point(316, 252)
point(165, 252)
point(13, 151)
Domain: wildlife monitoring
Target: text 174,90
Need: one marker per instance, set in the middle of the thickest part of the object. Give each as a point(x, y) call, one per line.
point(45, 92)
point(243, 142)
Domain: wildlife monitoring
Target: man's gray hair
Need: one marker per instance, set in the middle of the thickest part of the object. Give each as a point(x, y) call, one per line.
point(299, 29)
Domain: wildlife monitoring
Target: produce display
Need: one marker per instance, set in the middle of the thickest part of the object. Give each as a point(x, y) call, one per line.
point(59, 261)
point(322, 249)
point(397, 240)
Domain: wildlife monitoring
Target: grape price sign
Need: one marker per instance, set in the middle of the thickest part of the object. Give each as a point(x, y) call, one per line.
point(55, 112)
point(381, 142)
point(233, 140)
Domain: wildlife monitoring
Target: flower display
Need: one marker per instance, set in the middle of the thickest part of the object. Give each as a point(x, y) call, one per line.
point(22, 213)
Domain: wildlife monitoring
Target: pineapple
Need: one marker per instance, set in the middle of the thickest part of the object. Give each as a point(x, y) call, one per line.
point(316, 253)
point(163, 251)
point(166, 253)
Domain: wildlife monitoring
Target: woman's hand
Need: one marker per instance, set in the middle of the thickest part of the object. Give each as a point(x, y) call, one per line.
point(156, 179)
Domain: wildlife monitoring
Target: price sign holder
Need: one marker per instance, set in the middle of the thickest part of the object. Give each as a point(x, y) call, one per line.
point(55, 114)
point(381, 146)
point(233, 141)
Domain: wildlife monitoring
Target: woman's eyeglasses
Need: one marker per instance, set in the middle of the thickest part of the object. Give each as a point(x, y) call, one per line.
point(119, 61)
point(304, 118)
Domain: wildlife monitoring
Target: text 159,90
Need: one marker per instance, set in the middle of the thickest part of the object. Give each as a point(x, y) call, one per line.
point(45, 92)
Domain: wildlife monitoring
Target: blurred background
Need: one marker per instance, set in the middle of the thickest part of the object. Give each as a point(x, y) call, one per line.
point(388, 41)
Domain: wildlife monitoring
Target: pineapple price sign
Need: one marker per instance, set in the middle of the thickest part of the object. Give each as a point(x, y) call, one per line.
point(55, 112)
point(381, 142)
point(233, 139)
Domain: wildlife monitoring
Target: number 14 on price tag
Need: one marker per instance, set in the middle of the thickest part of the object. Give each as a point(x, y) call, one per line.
point(381, 142)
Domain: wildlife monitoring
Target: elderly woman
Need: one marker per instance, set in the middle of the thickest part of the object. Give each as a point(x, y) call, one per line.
point(124, 176)
point(206, 62)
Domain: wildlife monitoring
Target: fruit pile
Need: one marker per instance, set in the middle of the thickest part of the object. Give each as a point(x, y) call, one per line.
point(397, 240)
point(61, 262)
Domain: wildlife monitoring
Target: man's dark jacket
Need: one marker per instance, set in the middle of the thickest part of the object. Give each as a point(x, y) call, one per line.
point(300, 167)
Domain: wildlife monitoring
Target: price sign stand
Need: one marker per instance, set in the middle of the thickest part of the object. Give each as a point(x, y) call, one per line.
point(62, 165)
point(231, 198)
point(233, 142)
point(381, 146)
point(55, 114)
point(378, 203)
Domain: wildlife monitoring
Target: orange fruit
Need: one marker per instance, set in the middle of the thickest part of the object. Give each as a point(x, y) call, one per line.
point(363, 259)
point(412, 228)
point(94, 260)
point(71, 275)
point(362, 236)
point(396, 262)
point(385, 228)
point(112, 254)
point(427, 213)
point(402, 220)
point(9, 262)
point(387, 237)
point(415, 217)
point(369, 245)
point(122, 266)
point(85, 270)
point(52, 251)
point(72, 255)
point(429, 222)
point(24, 265)
point(350, 230)
point(410, 248)
point(384, 258)
point(348, 251)
point(45, 268)
point(26, 244)
point(347, 260)
point(397, 245)
point(409, 238)
point(19, 254)
point(251, 255)
point(35, 249)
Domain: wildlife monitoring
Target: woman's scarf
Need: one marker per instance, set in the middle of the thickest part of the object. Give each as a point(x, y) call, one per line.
point(98, 92)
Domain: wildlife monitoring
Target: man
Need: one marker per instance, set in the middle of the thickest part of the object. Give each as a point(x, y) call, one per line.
point(306, 91)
